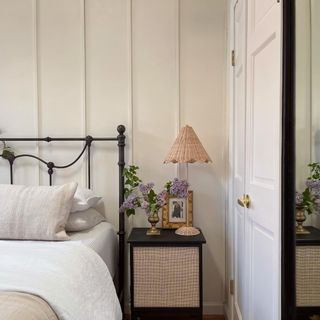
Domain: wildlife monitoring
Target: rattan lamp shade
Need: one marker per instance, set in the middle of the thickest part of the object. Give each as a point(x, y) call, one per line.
point(187, 148)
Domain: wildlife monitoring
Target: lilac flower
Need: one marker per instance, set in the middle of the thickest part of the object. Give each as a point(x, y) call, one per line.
point(132, 202)
point(161, 198)
point(146, 188)
point(299, 199)
point(179, 188)
point(144, 205)
point(314, 186)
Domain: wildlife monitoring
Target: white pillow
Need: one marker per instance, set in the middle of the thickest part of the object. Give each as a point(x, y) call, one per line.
point(84, 199)
point(83, 220)
point(35, 213)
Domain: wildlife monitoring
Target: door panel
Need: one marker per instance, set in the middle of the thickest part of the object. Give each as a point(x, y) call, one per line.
point(261, 9)
point(262, 285)
point(263, 148)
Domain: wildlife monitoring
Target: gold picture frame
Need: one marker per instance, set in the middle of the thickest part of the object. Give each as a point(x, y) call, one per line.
point(178, 212)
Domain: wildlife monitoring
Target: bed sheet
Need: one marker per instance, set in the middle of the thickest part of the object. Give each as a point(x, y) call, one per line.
point(103, 240)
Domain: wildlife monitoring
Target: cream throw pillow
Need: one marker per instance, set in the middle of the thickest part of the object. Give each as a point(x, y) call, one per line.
point(35, 213)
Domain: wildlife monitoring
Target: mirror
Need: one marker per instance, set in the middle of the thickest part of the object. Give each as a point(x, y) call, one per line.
point(307, 100)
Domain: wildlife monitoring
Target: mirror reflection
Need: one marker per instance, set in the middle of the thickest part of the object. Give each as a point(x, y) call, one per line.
point(308, 158)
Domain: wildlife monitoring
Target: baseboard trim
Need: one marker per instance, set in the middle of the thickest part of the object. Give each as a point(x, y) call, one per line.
point(209, 308)
point(215, 308)
point(227, 314)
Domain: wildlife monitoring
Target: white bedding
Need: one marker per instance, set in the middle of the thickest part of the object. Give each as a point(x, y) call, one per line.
point(69, 276)
point(103, 240)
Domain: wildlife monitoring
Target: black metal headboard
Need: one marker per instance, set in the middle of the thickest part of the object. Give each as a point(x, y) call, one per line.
point(120, 138)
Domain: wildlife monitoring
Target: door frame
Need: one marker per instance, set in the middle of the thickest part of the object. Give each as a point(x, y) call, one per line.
point(228, 307)
point(288, 242)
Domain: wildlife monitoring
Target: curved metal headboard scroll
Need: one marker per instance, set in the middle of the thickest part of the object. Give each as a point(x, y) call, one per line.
point(120, 138)
point(88, 140)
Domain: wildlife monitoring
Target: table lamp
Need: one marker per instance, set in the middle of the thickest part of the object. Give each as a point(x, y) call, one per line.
point(187, 148)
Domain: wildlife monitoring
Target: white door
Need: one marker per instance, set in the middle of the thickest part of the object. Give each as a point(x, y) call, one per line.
point(239, 112)
point(263, 158)
point(257, 159)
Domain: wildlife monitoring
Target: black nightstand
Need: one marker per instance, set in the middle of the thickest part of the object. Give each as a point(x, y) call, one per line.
point(308, 274)
point(166, 275)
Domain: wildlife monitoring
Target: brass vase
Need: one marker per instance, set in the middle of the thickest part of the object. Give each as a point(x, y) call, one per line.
point(300, 219)
point(153, 219)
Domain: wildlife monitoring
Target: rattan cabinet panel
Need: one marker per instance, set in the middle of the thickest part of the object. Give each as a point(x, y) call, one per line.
point(166, 277)
point(308, 276)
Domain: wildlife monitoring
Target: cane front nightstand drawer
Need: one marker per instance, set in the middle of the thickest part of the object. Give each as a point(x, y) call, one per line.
point(166, 277)
point(308, 274)
point(166, 273)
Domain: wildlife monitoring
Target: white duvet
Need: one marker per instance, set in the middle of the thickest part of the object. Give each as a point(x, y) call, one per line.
point(69, 276)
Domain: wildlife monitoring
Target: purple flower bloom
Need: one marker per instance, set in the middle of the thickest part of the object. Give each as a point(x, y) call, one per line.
point(313, 184)
point(144, 205)
point(132, 202)
point(179, 188)
point(299, 199)
point(314, 187)
point(146, 188)
point(161, 198)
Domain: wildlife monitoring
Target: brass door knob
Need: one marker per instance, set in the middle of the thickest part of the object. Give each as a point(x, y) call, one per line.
point(244, 201)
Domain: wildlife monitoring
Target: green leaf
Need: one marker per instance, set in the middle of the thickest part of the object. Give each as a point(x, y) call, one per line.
point(130, 212)
point(7, 153)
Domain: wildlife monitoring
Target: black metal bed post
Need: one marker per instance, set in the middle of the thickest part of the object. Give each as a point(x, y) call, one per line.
point(121, 145)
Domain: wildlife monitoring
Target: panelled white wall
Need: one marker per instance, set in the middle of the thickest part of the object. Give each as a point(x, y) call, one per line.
point(303, 92)
point(77, 67)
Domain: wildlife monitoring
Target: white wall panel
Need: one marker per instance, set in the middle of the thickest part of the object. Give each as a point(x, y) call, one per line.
point(155, 66)
point(203, 71)
point(108, 86)
point(18, 100)
point(303, 92)
point(61, 78)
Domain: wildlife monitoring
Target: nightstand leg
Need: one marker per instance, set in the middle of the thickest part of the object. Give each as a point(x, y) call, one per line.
point(134, 317)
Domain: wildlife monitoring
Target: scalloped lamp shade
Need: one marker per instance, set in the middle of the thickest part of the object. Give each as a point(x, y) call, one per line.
point(187, 148)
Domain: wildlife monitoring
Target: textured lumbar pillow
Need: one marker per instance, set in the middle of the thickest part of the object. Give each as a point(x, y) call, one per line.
point(35, 212)
point(83, 220)
point(84, 199)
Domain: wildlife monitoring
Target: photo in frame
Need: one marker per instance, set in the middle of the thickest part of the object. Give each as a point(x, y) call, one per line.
point(178, 212)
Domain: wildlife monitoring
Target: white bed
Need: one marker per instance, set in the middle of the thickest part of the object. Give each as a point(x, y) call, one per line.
point(104, 241)
point(69, 276)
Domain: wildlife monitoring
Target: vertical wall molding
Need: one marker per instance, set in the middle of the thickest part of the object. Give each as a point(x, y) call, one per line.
point(178, 76)
point(178, 66)
point(84, 68)
point(37, 98)
point(84, 84)
point(130, 131)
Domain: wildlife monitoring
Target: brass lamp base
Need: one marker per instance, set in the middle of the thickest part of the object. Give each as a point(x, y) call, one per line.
point(187, 231)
